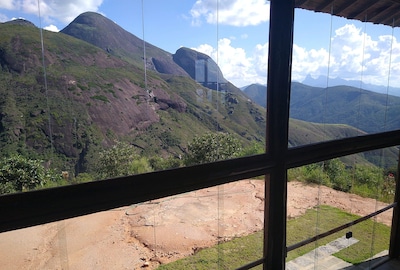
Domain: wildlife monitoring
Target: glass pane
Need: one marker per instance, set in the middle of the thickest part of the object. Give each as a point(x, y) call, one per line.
point(324, 196)
point(217, 228)
point(205, 229)
point(344, 78)
point(114, 93)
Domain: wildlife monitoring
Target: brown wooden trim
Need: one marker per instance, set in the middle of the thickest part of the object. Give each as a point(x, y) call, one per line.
point(278, 103)
point(37, 207)
point(394, 248)
point(299, 156)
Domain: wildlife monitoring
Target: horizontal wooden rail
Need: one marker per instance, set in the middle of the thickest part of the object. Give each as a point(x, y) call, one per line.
point(303, 155)
point(337, 229)
point(26, 209)
point(31, 208)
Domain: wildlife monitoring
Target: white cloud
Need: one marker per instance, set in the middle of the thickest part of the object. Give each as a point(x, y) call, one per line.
point(236, 66)
point(305, 62)
point(7, 4)
point(230, 12)
point(62, 10)
point(52, 28)
point(354, 56)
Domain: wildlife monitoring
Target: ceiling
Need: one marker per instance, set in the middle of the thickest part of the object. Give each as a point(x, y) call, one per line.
point(385, 12)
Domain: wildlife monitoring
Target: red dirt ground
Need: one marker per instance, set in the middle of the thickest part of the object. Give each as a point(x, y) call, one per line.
point(145, 235)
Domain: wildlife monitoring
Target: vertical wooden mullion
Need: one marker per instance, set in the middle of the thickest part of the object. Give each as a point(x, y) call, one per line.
point(278, 101)
point(394, 248)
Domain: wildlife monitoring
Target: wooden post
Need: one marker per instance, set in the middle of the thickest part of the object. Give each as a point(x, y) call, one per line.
point(278, 101)
point(394, 248)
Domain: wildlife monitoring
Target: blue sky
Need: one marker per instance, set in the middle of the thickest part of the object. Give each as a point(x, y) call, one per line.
point(239, 42)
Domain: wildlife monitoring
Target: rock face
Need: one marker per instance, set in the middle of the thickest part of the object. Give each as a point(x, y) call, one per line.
point(200, 67)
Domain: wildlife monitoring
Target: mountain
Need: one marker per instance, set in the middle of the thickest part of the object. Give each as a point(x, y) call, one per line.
point(348, 105)
point(201, 68)
point(257, 92)
point(322, 81)
point(366, 110)
point(107, 35)
point(303, 132)
point(93, 91)
point(94, 97)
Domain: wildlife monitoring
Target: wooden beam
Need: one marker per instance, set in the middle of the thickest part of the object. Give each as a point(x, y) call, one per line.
point(394, 247)
point(278, 101)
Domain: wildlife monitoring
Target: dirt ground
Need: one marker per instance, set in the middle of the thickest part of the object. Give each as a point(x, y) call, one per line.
point(143, 236)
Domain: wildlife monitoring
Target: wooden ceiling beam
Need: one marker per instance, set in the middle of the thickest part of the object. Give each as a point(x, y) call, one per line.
point(375, 11)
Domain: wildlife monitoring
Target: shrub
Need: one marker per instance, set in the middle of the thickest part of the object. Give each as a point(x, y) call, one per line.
point(120, 160)
point(18, 173)
point(212, 147)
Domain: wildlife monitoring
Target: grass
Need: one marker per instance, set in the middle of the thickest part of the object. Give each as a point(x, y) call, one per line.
point(373, 238)
point(328, 217)
point(228, 255)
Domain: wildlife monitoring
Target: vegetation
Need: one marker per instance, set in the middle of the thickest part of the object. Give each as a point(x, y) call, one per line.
point(229, 255)
point(373, 238)
point(364, 180)
point(18, 174)
point(348, 105)
point(212, 147)
point(120, 160)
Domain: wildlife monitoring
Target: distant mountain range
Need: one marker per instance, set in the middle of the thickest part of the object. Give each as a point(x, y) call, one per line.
point(363, 109)
point(97, 93)
point(323, 82)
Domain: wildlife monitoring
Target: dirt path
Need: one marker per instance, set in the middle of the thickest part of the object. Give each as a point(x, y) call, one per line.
point(144, 235)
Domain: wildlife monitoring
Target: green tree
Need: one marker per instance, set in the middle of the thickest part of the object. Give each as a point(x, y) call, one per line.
point(18, 173)
point(120, 160)
point(211, 147)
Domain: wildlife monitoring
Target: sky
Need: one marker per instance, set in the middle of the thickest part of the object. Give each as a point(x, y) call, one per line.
point(235, 34)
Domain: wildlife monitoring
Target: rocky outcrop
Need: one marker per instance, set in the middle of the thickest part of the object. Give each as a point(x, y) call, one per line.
point(200, 67)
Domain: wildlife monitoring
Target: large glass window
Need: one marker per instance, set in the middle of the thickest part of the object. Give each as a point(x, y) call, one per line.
point(344, 78)
point(137, 134)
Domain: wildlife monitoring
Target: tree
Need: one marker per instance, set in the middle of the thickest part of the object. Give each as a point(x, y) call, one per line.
point(18, 173)
point(211, 147)
point(120, 160)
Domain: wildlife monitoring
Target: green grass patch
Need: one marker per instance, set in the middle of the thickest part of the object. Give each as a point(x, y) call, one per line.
point(328, 218)
point(373, 238)
point(228, 255)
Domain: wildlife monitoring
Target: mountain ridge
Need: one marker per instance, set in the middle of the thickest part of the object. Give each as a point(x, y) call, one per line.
point(98, 94)
point(95, 98)
point(363, 109)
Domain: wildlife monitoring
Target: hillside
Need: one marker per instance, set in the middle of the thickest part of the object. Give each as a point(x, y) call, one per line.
point(366, 110)
point(95, 92)
point(94, 98)
point(110, 37)
point(302, 132)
